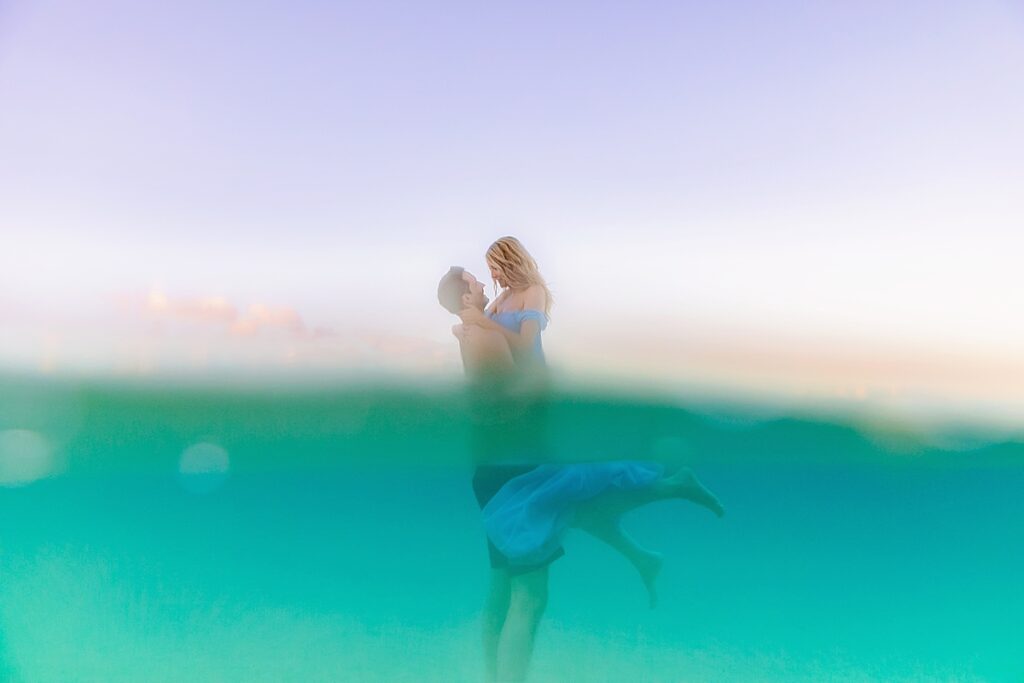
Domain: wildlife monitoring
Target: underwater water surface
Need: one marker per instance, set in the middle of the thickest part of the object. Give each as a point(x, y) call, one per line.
point(168, 532)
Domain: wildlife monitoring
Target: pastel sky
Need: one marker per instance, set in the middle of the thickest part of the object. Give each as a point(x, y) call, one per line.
point(744, 192)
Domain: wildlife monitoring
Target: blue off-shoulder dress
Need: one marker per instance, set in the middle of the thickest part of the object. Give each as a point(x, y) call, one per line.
point(526, 519)
point(513, 320)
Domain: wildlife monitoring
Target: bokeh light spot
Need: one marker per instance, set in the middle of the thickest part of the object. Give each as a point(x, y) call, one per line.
point(25, 456)
point(203, 467)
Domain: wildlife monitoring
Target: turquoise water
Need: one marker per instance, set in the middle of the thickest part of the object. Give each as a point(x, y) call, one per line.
point(156, 532)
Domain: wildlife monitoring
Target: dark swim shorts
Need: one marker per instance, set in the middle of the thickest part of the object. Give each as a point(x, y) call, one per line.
point(487, 481)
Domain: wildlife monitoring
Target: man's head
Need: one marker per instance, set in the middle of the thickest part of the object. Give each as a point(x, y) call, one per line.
point(458, 289)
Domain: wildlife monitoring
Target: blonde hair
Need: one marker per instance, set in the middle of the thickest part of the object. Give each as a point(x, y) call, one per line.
point(520, 270)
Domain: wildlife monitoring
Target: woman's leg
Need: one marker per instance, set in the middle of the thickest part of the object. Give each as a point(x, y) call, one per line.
point(601, 517)
point(529, 597)
point(592, 518)
point(683, 484)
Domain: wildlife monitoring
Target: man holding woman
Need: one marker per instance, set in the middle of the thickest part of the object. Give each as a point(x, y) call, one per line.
point(527, 503)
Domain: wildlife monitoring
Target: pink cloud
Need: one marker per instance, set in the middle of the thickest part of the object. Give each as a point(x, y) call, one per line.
point(259, 317)
point(219, 311)
point(209, 331)
point(205, 309)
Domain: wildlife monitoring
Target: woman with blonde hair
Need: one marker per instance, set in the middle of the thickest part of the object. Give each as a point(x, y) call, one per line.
point(526, 508)
point(522, 309)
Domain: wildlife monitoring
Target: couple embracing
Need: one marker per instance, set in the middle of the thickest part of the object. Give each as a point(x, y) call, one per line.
point(527, 502)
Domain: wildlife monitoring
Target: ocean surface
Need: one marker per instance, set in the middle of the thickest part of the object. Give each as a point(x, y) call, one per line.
point(165, 531)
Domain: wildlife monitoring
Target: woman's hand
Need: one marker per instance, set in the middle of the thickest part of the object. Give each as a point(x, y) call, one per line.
point(473, 316)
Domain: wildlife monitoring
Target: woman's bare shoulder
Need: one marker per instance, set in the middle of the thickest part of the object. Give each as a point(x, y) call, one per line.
point(535, 297)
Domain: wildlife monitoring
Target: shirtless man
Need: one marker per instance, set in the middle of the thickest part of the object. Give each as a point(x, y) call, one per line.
point(510, 424)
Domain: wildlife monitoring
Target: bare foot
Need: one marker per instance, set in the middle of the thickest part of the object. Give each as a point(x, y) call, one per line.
point(686, 485)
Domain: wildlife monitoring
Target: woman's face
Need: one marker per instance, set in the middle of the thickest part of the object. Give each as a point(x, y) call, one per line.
point(497, 275)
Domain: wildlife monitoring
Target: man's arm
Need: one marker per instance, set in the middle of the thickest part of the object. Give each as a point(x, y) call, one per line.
point(533, 299)
point(483, 351)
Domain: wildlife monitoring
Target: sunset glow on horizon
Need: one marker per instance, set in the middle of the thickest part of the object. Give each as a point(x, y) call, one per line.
point(793, 201)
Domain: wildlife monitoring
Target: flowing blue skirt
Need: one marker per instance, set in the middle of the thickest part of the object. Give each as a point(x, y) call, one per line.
point(527, 518)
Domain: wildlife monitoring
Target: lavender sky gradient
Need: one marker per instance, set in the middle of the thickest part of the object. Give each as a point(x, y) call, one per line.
point(839, 175)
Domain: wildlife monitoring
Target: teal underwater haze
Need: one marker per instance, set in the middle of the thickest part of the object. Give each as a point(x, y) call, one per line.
point(155, 531)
